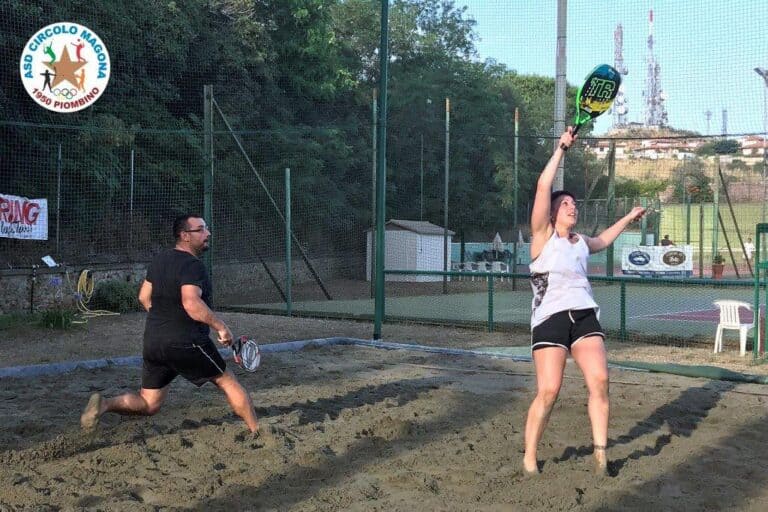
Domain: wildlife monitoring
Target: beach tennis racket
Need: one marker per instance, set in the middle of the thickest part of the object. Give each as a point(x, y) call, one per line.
point(596, 95)
point(246, 353)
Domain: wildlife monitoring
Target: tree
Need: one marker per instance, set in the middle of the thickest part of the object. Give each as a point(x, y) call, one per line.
point(719, 147)
point(691, 180)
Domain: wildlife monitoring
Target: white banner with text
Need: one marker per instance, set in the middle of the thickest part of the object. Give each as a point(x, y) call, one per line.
point(23, 218)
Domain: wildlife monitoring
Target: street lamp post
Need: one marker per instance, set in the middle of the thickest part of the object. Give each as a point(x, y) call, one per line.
point(764, 74)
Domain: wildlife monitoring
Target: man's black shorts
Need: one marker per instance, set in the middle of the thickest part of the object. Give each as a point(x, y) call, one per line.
point(198, 362)
point(566, 328)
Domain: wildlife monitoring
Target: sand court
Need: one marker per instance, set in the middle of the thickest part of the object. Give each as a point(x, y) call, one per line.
point(370, 429)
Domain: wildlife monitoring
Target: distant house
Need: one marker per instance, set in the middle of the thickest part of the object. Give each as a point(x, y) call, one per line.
point(410, 245)
point(650, 148)
point(753, 145)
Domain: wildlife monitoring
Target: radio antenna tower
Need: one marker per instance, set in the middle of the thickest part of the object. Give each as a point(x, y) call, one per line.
point(725, 123)
point(655, 112)
point(620, 103)
point(708, 115)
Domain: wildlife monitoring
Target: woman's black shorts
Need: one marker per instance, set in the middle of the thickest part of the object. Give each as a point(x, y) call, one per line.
point(566, 328)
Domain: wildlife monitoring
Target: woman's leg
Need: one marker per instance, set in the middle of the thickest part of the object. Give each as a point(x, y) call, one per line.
point(550, 364)
point(589, 354)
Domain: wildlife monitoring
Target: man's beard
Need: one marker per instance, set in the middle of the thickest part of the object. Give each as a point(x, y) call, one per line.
point(200, 250)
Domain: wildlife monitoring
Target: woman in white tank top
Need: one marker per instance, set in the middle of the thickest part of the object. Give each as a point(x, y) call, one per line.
point(563, 297)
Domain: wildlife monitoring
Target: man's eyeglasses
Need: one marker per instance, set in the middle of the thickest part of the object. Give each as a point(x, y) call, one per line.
point(198, 230)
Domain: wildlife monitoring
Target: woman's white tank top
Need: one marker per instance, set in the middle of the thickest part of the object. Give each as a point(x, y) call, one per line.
point(559, 279)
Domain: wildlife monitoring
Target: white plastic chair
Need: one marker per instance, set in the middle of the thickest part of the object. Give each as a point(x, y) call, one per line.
point(498, 266)
point(729, 319)
point(468, 266)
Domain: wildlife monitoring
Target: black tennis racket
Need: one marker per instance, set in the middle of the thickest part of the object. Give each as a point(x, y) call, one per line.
point(596, 95)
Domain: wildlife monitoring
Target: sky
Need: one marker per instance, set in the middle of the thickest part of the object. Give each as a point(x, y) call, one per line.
point(707, 51)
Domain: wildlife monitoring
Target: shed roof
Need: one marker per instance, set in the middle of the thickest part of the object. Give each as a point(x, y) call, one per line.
point(420, 227)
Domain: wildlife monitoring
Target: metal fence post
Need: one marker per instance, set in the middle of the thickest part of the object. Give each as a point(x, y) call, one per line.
point(490, 303)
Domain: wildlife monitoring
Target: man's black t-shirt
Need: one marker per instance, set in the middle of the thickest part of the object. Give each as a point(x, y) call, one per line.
point(167, 321)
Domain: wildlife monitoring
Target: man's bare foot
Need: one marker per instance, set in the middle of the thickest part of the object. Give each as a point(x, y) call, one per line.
point(262, 438)
point(265, 437)
point(90, 417)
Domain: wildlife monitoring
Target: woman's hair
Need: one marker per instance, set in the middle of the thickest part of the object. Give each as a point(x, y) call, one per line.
point(555, 195)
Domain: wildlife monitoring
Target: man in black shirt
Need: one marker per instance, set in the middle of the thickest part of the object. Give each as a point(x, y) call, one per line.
point(177, 297)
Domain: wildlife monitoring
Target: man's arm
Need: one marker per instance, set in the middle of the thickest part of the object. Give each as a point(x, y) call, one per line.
point(198, 310)
point(145, 295)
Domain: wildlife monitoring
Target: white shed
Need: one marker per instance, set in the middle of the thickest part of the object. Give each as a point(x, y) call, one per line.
point(410, 245)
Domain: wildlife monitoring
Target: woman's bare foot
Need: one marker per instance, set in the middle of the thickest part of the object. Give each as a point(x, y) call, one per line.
point(601, 459)
point(531, 468)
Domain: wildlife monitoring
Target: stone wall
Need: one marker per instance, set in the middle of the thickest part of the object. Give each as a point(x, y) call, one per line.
point(25, 290)
point(40, 289)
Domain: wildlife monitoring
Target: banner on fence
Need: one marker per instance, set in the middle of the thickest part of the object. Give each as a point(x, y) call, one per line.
point(23, 218)
point(658, 261)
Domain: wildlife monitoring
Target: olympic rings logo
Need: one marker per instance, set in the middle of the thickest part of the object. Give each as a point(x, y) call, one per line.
point(65, 93)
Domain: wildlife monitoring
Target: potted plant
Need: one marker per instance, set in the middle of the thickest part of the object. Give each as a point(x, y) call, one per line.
point(718, 264)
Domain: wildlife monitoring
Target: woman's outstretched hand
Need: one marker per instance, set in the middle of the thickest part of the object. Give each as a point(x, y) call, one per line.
point(567, 138)
point(636, 213)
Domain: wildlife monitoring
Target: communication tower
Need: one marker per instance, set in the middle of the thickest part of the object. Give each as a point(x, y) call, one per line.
point(620, 103)
point(725, 123)
point(655, 112)
point(708, 115)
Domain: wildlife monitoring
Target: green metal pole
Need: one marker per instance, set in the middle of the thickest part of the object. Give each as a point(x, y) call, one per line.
point(208, 174)
point(656, 205)
point(644, 223)
point(373, 199)
point(623, 311)
point(715, 210)
point(288, 266)
point(759, 331)
point(611, 206)
point(445, 191)
point(421, 180)
point(490, 303)
point(58, 203)
point(515, 185)
point(687, 218)
point(381, 170)
point(701, 239)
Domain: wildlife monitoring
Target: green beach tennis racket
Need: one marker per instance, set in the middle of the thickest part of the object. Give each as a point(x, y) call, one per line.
point(596, 95)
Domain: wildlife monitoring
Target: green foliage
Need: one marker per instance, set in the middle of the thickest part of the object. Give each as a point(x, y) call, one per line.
point(297, 76)
point(738, 165)
point(57, 318)
point(14, 320)
point(639, 188)
point(718, 259)
point(692, 182)
point(719, 147)
point(116, 296)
